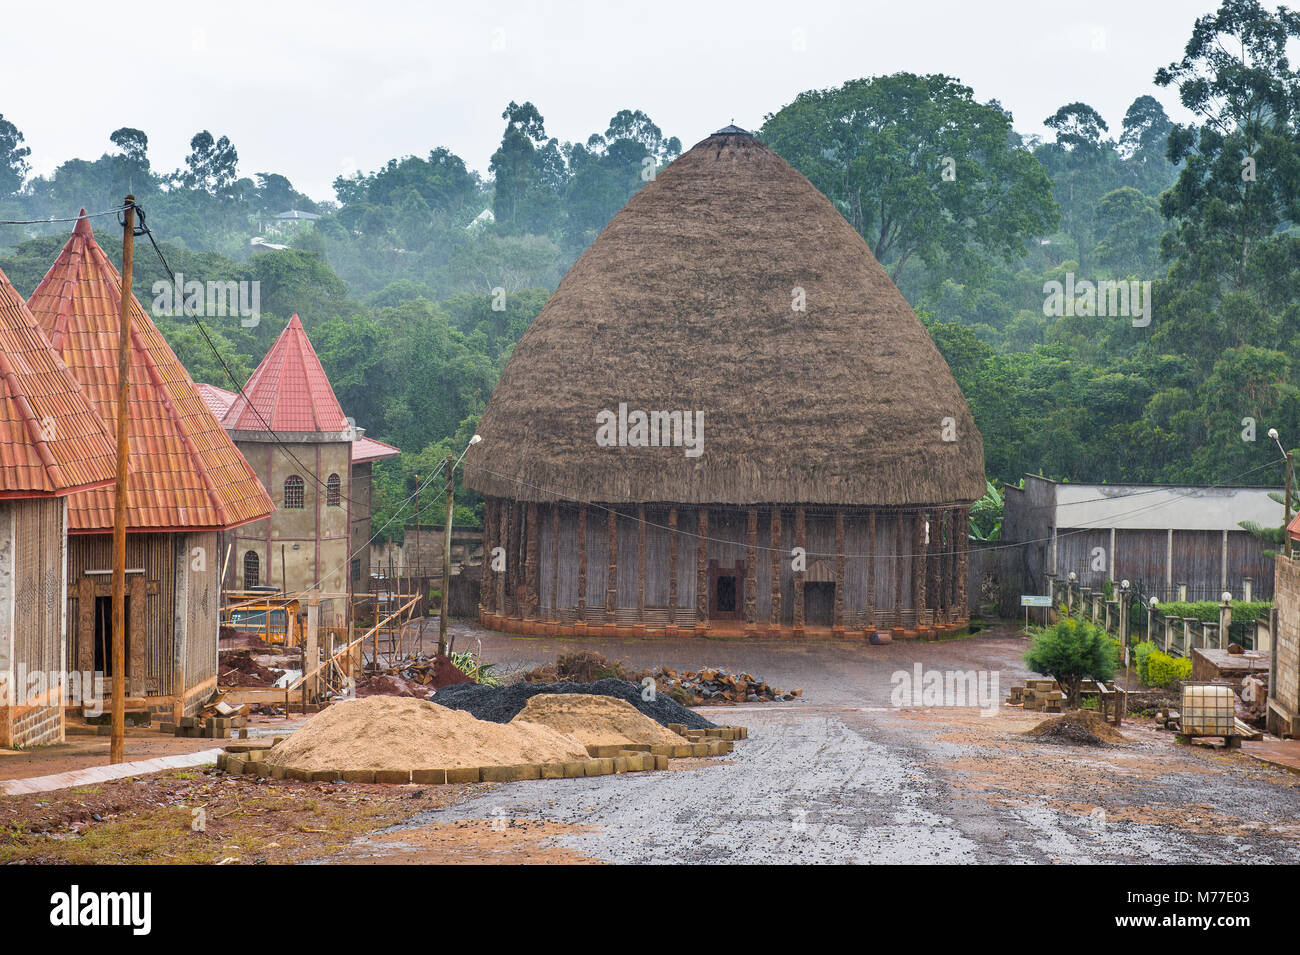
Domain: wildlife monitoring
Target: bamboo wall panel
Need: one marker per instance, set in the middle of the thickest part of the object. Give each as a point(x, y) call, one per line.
point(38, 585)
point(1140, 557)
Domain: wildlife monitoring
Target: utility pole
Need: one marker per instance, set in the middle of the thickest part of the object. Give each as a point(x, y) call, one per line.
point(446, 558)
point(117, 742)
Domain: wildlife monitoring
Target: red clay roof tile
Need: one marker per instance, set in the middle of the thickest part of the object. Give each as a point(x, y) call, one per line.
point(186, 473)
point(289, 391)
point(52, 442)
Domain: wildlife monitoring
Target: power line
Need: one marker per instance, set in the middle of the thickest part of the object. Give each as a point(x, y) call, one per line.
point(87, 215)
point(198, 323)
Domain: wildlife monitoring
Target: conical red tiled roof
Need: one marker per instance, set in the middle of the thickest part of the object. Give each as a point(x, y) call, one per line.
point(51, 440)
point(289, 391)
point(185, 471)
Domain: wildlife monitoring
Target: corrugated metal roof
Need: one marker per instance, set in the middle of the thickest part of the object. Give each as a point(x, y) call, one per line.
point(288, 392)
point(186, 473)
point(52, 441)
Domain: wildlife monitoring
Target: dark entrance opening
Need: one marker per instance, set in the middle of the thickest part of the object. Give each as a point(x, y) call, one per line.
point(724, 598)
point(104, 634)
point(819, 603)
point(726, 591)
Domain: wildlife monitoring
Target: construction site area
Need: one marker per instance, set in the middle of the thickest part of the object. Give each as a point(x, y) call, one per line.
point(573, 758)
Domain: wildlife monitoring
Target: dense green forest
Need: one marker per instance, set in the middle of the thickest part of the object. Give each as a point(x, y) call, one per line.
point(413, 297)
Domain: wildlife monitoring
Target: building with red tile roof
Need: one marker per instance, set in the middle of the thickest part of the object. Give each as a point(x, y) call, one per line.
point(52, 444)
point(317, 464)
point(187, 482)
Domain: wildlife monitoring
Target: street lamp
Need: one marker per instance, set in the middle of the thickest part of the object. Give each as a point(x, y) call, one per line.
point(1286, 512)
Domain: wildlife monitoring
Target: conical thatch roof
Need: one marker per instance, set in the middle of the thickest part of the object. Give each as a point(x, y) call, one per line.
point(185, 472)
point(684, 303)
point(51, 440)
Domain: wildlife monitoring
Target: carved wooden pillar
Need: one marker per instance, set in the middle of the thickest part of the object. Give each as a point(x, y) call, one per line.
point(503, 524)
point(871, 570)
point(640, 563)
point(672, 566)
point(837, 620)
point(918, 568)
point(702, 566)
point(611, 581)
point(485, 589)
point(555, 560)
point(945, 566)
point(900, 549)
point(801, 542)
point(533, 530)
point(774, 585)
point(512, 561)
point(963, 563)
point(751, 569)
point(582, 563)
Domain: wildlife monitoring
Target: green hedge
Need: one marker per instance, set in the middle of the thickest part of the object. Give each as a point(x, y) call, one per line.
point(1157, 668)
point(1207, 611)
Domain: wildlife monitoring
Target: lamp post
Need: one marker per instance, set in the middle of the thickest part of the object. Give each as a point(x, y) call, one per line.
point(1286, 512)
point(1121, 698)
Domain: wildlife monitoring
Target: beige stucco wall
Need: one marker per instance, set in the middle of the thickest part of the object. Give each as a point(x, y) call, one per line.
point(311, 541)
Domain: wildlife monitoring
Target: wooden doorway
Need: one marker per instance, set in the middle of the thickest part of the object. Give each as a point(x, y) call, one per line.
point(104, 636)
point(726, 591)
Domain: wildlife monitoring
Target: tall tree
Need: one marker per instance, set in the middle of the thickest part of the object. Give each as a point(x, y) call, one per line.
point(918, 167)
point(13, 158)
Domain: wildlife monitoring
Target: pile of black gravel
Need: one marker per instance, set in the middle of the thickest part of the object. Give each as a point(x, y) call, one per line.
point(500, 704)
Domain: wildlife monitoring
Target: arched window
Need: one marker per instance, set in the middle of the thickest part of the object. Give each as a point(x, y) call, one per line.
point(252, 569)
point(293, 492)
point(332, 494)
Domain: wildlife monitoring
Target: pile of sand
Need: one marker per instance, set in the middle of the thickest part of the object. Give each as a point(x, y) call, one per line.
point(391, 732)
point(1082, 728)
point(595, 720)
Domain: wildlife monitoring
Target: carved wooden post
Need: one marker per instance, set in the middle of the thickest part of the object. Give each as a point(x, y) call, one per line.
point(503, 523)
point(945, 585)
point(611, 581)
point(751, 570)
point(963, 563)
point(555, 560)
point(485, 572)
point(837, 619)
point(530, 563)
point(582, 563)
point(702, 566)
point(640, 563)
point(918, 568)
point(800, 541)
point(672, 566)
point(774, 585)
point(871, 570)
point(900, 548)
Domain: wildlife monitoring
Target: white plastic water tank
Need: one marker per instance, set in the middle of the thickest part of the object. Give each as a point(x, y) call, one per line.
point(1208, 709)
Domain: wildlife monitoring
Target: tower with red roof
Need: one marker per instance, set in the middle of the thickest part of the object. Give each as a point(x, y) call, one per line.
point(316, 464)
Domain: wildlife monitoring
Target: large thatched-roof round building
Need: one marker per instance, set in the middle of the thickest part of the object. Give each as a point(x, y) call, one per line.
point(726, 417)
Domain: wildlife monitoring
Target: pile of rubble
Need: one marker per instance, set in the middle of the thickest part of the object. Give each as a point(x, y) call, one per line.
point(717, 685)
point(413, 676)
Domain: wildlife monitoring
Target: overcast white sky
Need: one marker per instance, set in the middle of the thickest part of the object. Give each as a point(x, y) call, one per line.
point(312, 90)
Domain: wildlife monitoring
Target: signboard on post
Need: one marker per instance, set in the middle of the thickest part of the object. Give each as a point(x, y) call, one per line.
point(1035, 600)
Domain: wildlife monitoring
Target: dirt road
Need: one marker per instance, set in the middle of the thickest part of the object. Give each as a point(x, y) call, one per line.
point(844, 776)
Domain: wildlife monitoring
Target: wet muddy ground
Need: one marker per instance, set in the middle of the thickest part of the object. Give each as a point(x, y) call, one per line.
point(844, 776)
